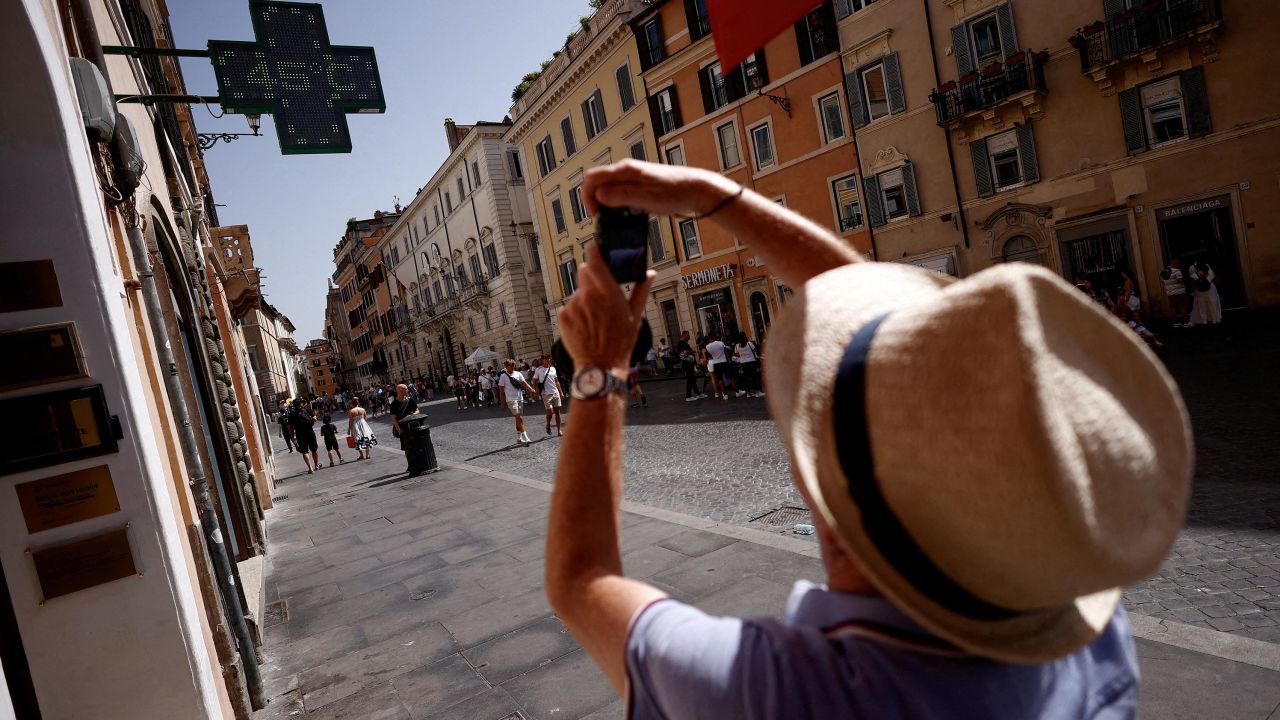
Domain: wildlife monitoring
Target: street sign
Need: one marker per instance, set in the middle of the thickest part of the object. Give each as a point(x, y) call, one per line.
point(292, 72)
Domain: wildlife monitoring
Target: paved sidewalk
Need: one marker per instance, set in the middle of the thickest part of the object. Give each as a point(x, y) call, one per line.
point(422, 598)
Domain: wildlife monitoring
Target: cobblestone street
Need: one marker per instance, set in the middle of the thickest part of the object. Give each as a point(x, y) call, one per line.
point(722, 460)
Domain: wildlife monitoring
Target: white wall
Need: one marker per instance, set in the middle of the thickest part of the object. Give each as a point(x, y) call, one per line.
point(132, 648)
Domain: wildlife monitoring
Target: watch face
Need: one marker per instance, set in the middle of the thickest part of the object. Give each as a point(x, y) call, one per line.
point(590, 381)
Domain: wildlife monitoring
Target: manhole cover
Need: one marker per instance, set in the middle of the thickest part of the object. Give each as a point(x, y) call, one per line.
point(784, 517)
point(277, 612)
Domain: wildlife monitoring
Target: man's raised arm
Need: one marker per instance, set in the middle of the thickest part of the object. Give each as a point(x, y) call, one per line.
point(794, 247)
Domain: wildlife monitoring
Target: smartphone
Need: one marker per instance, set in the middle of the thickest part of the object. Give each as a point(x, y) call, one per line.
point(623, 236)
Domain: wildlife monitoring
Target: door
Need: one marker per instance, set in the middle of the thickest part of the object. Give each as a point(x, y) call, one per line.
point(759, 315)
point(1100, 259)
point(1208, 236)
point(671, 321)
point(710, 321)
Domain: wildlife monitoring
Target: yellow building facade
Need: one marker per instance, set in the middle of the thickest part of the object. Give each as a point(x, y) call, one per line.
point(586, 108)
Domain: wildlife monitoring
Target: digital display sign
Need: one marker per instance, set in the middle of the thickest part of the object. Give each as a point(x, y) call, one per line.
point(293, 73)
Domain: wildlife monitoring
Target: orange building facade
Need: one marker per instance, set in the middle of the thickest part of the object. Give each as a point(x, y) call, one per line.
point(778, 124)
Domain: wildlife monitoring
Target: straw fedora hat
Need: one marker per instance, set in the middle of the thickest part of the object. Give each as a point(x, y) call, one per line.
point(998, 454)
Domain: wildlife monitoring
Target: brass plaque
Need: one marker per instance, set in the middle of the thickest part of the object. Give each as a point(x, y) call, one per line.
point(97, 560)
point(28, 286)
point(60, 500)
point(41, 355)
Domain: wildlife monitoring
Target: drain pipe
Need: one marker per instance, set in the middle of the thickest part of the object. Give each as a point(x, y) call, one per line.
point(951, 158)
point(199, 482)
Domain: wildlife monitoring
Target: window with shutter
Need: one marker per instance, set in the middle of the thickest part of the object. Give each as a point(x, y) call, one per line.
point(557, 215)
point(1027, 151)
point(695, 12)
point(715, 93)
point(909, 188)
point(960, 48)
point(626, 95)
point(1196, 101)
point(981, 167)
point(727, 139)
point(875, 92)
point(588, 120)
point(755, 72)
point(656, 250)
point(637, 150)
point(893, 84)
point(853, 92)
point(665, 109)
point(875, 206)
point(652, 48)
point(575, 204)
point(597, 111)
point(566, 131)
point(848, 207)
point(1135, 136)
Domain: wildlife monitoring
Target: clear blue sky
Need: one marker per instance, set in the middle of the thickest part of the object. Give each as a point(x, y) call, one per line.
point(437, 59)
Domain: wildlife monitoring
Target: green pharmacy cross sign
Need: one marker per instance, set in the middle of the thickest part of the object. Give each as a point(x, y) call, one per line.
point(292, 72)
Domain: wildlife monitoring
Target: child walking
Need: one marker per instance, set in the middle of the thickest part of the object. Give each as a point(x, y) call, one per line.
point(330, 433)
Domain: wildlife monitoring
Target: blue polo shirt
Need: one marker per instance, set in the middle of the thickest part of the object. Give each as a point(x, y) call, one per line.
point(849, 656)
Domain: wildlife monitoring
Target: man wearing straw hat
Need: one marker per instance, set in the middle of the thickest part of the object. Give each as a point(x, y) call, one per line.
point(988, 461)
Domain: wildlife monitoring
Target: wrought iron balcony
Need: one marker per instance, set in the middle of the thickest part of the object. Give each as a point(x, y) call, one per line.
point(476, 288)
point(990, 87)
point(1143, 29)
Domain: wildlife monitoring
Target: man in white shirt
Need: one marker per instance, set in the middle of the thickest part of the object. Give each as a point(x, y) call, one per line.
point(548, 382)
point(511, 388)
point(719, 355)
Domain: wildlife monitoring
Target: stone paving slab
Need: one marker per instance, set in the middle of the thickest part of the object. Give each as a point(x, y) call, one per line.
point(471, 636)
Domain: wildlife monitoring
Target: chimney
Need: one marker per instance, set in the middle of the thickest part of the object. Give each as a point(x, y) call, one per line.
point(451, 131)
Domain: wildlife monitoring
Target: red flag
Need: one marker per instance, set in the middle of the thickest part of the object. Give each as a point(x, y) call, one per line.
point(742, 27)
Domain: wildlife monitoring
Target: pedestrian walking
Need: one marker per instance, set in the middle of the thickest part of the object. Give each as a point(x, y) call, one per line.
point(981, 578)
point(511, 387)
point(330, 433)
point(358, 428)
point(548, 383)
point(1207, 305)
point(688, 363)
point(651, 359)
point(286, 428)
point(304, 433)
point(638, 397)
point(459, 389)
point(719, 368)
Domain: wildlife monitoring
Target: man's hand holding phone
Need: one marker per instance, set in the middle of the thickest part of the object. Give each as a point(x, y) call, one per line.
point(599, 324)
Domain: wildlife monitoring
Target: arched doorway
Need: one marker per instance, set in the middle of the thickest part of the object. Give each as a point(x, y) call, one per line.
point(1021, 248)
point(759, 314)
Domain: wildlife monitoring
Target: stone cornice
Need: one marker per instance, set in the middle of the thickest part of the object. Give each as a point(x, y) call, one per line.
point(583, 65)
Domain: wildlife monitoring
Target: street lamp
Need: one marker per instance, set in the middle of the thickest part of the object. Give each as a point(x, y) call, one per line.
point(208, 140)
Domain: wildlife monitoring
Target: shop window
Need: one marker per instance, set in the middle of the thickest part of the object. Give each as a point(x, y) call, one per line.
point(832, 117)
point(875, 91)
point(557, 216)
point(664, 106)
point(848, 205)
point(727, 140)
point(762, 145)
point(626, 94)
point(689, 239)
point(566, 132)
point(1005, 161)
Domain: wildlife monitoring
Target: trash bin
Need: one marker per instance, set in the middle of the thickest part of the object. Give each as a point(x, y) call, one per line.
point(418, 450)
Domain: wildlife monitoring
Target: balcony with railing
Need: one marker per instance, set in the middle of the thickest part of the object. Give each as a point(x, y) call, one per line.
point(1144, 29)
point(1018, 79)
point(474, 289)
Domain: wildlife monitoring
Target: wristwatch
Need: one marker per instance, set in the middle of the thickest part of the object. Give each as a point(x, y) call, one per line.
point(592, 382)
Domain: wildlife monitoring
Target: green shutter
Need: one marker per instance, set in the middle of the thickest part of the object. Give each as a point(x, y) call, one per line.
point(853, 93)
point(960, 48)
point(893, 84)
point(909, 188)
point(1027, 153)
point(875, 203)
